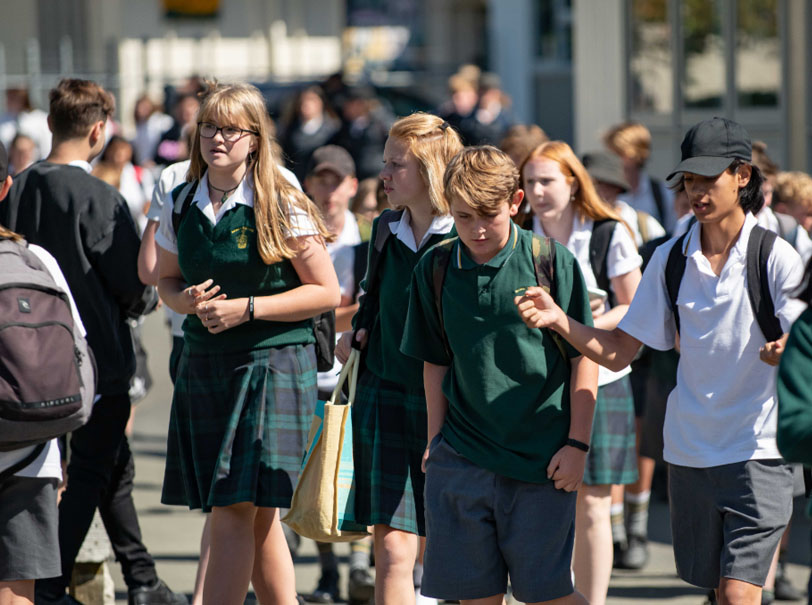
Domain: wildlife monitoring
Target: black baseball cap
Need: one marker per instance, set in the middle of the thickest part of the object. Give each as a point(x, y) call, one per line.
point(333, 158)
point(710, 147)
point(606, 167)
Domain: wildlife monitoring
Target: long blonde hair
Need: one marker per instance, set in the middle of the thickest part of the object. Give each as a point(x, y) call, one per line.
point(243, 106)
point(586, 201)
point(433, 143)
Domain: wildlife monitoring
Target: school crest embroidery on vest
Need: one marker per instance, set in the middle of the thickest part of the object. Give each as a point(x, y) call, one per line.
point(242, 236)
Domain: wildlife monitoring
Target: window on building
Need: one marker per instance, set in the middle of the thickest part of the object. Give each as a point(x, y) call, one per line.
point(703, 77)
point(651, 63)
point(758, 54)
point(554, 42)
point(729, 54)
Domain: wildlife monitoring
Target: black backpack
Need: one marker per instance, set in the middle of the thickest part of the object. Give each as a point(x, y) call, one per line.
point(759, 246)
point(543, 264)
point(47, 371)
point(602, 232)
point(324, 325)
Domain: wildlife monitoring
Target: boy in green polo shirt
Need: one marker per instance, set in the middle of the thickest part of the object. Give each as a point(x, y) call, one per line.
point(509, 412)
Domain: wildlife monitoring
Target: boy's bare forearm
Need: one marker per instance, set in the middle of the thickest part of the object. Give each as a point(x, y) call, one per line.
point(613, 349)
point(583, 393)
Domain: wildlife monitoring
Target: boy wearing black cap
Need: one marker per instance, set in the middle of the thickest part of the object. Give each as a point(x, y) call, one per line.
point(731, 493)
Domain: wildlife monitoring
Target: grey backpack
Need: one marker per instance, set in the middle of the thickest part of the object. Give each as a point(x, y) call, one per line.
point(47, 371)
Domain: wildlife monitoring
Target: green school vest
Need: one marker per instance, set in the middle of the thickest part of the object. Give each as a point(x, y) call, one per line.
point(227, 253)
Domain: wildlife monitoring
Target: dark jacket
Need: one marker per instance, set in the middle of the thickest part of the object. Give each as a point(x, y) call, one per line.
point(85, 224)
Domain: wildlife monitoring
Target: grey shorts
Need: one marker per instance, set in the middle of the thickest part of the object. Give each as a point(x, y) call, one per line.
point(29, 529)
point(726, 521)
point(481, 526)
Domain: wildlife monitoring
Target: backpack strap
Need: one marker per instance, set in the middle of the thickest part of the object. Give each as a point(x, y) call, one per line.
point(441, 258)
point(602, 232)
point(18, 466)
point(544, 265)
point(368, 308)
point(674, 270)
point(359, 266)
point(185, 192)
point(657, 194)
point(759, 246)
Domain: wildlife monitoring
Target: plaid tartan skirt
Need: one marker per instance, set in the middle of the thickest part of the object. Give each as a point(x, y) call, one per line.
point(238, 426)
point(612, 458)
point(389, 438)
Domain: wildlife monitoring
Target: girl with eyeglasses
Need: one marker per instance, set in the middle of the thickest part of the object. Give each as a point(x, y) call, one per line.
point(244, 259)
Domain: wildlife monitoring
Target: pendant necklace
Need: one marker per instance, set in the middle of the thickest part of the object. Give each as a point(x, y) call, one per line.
point(225, 192)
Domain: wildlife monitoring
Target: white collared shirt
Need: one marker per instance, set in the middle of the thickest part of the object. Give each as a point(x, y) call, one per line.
point(723, 409)
point(621, 258)
point(402, 229)
point(165, 237)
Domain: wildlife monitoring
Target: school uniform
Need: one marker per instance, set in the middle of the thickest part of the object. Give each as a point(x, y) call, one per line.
point(731, 494)
point(243, 398)
point(389, 412)
point(508, 391)
point(612, 457)
point(795, 394)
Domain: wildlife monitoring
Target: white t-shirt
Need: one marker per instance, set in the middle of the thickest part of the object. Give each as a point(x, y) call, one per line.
point(629, 214)
point(621, 258)
point(723, 409)
point(349, 237)
point(47, 464)
point(803, 245)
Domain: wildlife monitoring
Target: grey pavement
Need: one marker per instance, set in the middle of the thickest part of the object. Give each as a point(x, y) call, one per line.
point(172, 533)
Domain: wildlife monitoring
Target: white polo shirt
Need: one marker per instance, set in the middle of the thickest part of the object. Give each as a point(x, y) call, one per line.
point(723, 409)
point(621, 258)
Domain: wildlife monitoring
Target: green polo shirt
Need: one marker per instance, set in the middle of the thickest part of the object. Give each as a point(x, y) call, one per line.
point(795, 394)
point(227, 252)
point(507, 385)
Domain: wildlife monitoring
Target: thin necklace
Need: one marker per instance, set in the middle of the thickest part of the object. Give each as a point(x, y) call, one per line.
point(226, 192)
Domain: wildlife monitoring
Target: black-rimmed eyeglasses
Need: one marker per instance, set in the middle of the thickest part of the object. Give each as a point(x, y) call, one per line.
point(230, 133)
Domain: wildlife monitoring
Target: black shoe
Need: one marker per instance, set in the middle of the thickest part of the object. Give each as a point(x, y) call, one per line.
point(327, 589)
point(784, 590)
point(618, 550)
point(361, 586)
point(158, 594)
point(636, 554)
point(767, 597)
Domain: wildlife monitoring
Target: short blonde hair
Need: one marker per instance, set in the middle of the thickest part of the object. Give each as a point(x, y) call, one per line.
point(433, 143)
point(482, 178)
point(793, 189)
point(630, 140)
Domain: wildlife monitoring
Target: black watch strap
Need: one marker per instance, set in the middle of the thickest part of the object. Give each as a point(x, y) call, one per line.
point(584, 447)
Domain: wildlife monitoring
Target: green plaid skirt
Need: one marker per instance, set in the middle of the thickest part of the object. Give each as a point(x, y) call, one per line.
point(389, 438)
point(612, 458)
point(238, 426)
